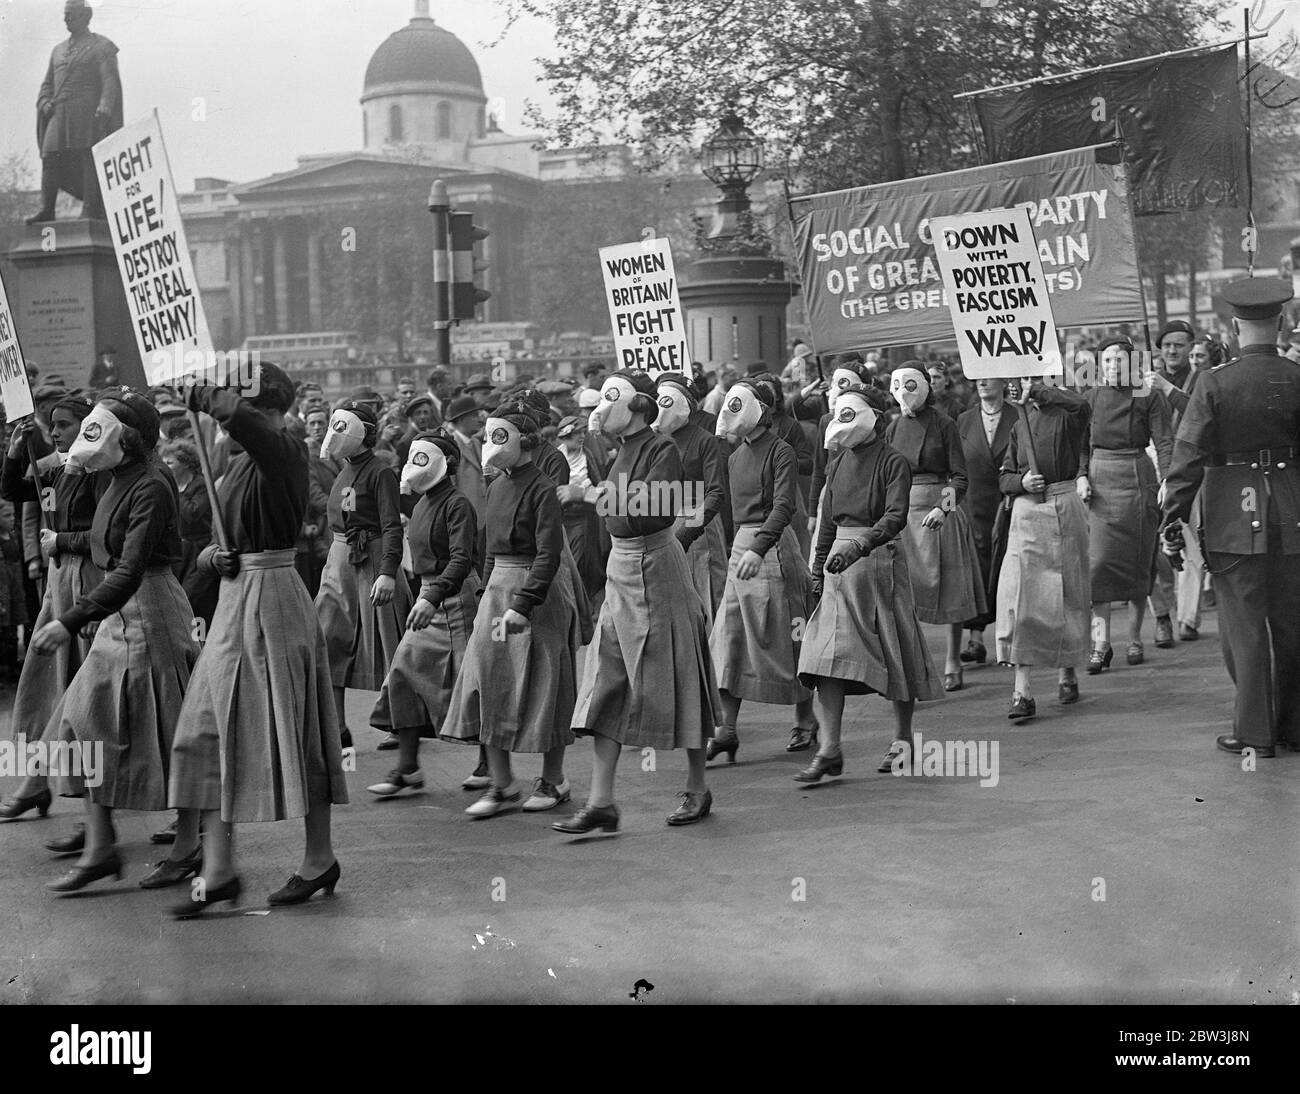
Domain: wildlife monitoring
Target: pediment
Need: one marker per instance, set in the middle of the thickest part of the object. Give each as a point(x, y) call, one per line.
point(352, 172)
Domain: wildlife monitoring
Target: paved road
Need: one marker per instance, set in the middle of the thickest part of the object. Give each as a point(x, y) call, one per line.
point(915, 888)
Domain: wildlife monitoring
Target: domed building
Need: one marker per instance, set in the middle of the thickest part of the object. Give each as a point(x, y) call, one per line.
point(341, 243)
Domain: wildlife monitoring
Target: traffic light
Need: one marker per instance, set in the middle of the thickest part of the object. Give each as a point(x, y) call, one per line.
point(466, 295)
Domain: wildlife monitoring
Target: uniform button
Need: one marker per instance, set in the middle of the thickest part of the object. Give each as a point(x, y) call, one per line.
point(1254, 467)
point(1281, 467)
point(1255, 525)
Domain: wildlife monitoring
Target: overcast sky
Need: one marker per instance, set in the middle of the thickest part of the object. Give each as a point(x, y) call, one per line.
point(281, 78)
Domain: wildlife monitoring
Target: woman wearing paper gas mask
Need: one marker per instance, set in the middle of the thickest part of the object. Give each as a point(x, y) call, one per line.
point(258, 736)
point(756, 636)
point(698, 528)
point(516, 689)
point(649, 678)
point(1121, 491)
point(1043, 587)
point(443, 533)
point(863, 636)
point(70, 502)
point(941, 555)
point(582, 524)
point(362, 605)
point(847, 373)
point(126, 697)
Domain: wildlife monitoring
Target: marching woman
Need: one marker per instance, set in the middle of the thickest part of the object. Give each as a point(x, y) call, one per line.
point(70, 501)
point(582, 524)
point(649, 678)
point(125, 699)
point(1122, 494)
point(942, 560)
point(361, 605)
point(443, 534)
point(698, 528)
point(985, 431)
point(863, 635)
point(1043, 595)
point(258, 736)
point(182, 460)
point(755, 639)
point(518, 683)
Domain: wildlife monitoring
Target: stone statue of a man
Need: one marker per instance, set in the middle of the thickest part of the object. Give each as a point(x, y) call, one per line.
point(80, 103)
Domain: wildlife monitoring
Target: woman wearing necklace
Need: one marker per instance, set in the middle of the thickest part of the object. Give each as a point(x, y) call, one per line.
point(985, 431)
point(941, 555)
point(1121, 492)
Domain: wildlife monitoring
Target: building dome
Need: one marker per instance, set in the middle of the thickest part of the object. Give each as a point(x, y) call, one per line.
point(422, 54)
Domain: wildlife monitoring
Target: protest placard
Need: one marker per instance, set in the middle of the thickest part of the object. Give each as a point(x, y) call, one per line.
point(644, 310)
point(867, 257)
point(157, 274)
point(15, 391)
point(997, 293)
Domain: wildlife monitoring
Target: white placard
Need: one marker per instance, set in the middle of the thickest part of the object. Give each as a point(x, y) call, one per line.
point(997, 295)
point(15, 391)
point(644, 310)
point(152, 256)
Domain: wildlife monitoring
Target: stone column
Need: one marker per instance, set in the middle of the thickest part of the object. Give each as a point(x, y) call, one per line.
point(247, 289)
point(315, 311)
point(281, 278)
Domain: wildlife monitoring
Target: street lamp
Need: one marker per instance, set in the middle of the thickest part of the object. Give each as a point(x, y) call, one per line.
point(731, 159)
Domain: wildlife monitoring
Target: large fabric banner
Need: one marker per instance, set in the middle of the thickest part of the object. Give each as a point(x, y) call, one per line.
point(867, 259)
point(1180, 119)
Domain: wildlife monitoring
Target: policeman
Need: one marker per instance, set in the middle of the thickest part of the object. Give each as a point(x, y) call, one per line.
point(1240, 436)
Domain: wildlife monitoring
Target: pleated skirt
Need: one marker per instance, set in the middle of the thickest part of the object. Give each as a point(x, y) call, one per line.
point(258, 736)
point(417, 692)
point(582, 529)
point(517, 691)
point(128, 693)
point(759, 627)
point(944, 564)
point(1044, 602)
point(1123, 522)
point(361, 638)
point(864, 630)
point(706, 559)
point(649, 678)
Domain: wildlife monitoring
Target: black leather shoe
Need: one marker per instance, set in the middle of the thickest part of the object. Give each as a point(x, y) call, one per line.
point(1188, 634)
point(729, 744)
point(1022, 707)
point(801, 740)
point(167, 835)
point(694, 807)
point(13, 808)
point(1164, 633)
point(297, 891)
point(821, 766)
point(173, 871)
point(69, 845)
point(588, 819)
point(229, 891)
point(1099, 662)
point(952, 681)
point(1067, 692)
point(80, 876)
point(1237, 745)
point(974, 652)
point(345, 738)
point(1135, 653)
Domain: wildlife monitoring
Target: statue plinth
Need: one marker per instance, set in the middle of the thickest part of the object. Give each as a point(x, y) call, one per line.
point(70, 305)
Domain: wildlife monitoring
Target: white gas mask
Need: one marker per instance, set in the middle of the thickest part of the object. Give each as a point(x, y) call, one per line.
point(674, 410)
point(345, 437)
point(841, 378)
point(613, 414)
point(741, 413)
point(426, 466)
point(852, 424)
point(98, 446)
point(501, 447)
point(910, 388)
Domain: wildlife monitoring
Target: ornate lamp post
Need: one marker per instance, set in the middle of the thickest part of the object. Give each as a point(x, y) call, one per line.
point(735, 295)
point(731, 159)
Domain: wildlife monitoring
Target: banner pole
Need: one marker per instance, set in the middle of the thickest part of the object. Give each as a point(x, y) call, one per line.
point(1250, 173)
point(205, 466)
point(1137, 247)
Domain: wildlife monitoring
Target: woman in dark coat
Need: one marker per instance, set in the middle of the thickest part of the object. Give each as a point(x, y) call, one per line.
point(126, 697)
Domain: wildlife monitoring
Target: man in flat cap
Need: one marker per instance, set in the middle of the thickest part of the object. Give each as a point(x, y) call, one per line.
point(1239, 444)
point(80, 103)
